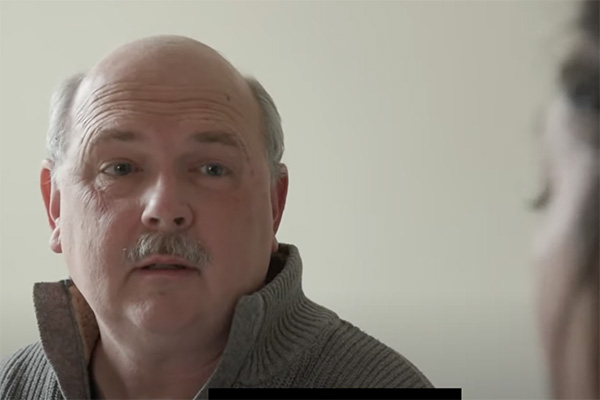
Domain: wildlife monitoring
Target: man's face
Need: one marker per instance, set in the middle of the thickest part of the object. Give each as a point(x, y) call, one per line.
point(162, 150)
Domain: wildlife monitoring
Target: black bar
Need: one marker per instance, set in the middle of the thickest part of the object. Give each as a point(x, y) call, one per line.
point(338, 394)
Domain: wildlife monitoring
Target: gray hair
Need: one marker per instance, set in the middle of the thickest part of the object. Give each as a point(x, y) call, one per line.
point(175, 244)
point(60, 123)
point(271, 119)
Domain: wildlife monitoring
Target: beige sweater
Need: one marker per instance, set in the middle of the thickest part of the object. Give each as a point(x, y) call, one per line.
point(279, 339)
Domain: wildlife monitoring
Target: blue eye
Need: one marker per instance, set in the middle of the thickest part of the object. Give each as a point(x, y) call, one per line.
point(119, 169)
point(214, 170)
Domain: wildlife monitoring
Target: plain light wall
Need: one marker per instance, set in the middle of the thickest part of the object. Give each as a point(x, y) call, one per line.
point(410, 144)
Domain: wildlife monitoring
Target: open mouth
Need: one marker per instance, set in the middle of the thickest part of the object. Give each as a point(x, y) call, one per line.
point(164, 266)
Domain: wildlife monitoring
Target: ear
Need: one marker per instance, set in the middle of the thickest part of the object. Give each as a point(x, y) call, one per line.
point(51, 196)
point(279, 192)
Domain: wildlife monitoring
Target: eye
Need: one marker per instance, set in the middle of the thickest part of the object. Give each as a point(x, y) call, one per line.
point(119, 169)
point(580, 78)
point(215, 170)
point(585, 96)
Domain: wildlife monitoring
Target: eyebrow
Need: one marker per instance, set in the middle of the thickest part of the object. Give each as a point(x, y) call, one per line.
point(108, 135)
point(220, 137)
point(227, 139)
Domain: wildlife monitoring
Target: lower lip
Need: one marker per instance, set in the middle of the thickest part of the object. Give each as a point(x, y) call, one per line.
point(167, 273)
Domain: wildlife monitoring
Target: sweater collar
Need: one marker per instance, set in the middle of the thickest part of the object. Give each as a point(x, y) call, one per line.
point(269, 329)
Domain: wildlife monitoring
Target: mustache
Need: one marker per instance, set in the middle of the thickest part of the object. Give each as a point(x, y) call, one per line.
point(168, 244)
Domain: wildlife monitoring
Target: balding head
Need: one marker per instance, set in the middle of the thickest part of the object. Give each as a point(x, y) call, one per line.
point(175, 61)
point(168, 59)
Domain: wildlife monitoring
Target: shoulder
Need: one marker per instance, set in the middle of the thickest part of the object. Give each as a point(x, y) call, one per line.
point(353, 358)
point(27, 374)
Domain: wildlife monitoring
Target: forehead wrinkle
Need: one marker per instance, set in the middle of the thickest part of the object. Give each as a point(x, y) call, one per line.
point(93, 124)
point(106, 99)
point(170, 93)
point(124, 96)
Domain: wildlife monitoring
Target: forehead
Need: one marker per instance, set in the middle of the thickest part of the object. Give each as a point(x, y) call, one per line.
point(161, 101)
point(166, 96)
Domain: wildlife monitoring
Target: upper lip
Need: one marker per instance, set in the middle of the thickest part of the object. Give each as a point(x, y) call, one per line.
point(164, 259)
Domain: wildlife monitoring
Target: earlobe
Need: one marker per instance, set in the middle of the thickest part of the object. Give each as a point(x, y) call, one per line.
point(51, 197)
point(278, 198)
point(55, 242)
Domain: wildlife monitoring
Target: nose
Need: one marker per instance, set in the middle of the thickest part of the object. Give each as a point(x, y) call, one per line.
point(166, 208)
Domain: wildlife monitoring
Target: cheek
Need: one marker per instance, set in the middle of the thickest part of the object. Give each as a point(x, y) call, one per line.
point(238, 232)
point(94, 233)
point(236, 220)
point(256, 216)
point(90, 215)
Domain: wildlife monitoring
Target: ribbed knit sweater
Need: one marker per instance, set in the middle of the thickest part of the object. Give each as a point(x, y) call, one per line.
point(278, 339)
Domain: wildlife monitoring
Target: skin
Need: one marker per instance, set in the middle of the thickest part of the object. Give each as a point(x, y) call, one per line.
point(166, 137)
point(567, 256)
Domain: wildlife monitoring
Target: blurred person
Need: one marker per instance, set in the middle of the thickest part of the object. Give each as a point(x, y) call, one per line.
point(567, 248)
point(164, 190)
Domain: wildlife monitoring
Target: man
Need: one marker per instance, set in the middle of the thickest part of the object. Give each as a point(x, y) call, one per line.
point(568, 251)
point(164, 191)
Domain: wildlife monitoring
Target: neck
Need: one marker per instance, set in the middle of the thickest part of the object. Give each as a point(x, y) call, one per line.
point(153, 368)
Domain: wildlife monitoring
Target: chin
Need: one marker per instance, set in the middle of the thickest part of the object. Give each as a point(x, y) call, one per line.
point(166, 314)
